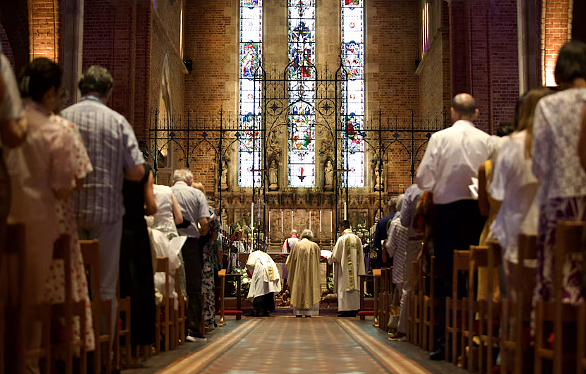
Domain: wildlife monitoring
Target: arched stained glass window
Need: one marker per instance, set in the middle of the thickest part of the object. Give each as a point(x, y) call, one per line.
point(301, 75)
point(249, 111)
point(353, 92)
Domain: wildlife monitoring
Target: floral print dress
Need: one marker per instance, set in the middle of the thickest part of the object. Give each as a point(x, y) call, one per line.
point(67, 225)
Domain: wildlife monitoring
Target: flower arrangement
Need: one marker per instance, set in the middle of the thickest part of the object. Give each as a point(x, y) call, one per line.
point(245, 283)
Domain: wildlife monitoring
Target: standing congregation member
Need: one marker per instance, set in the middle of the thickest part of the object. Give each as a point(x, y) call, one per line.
point(13, 130)
point(349, 259)
point(136, 264)
point(209, 270)
point(396, 246)
point(414, 246)
point(195, 211)
point(562, 181)
point(114, 154)
point(304, 276)
point(451, 159)
point(265, 282)
point(380, 235)
point(41, 173)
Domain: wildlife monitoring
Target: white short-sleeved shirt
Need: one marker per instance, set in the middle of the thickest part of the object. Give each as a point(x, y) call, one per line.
point(452, 159)
point(514, 184)
point(11, 106)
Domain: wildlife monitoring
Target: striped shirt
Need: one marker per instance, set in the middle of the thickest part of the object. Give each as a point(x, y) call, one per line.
point(396, 245)
point(112, 148)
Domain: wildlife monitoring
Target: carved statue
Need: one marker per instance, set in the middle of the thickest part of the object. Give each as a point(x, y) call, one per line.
point(273, 176)
point(378, 176)
point(224, 176)
point(328, 176)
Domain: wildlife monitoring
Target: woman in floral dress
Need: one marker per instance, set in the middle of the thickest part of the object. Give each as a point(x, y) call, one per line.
point(562, 190)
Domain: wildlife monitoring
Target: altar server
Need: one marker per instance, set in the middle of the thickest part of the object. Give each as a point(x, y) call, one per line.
point(304, 276)
point(265, 282)
point(349, 260)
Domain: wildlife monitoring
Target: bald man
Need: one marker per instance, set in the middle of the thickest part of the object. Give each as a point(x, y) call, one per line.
point(451, 160)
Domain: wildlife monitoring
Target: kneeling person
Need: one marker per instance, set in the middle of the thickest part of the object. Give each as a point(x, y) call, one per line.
point(265, 282)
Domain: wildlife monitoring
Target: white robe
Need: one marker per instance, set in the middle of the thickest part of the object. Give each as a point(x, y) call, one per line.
point(349, 265)
point(265, 275)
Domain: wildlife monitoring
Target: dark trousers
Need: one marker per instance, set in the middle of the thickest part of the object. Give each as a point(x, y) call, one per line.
point(457, 226)
point(192, 252)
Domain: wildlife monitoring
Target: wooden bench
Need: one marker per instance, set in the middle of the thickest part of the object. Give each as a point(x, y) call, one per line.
point(67, 310)
point(234, 312)
point(90, 250)
point(428, 303)
point(455, 307)
point(474, 328)
point(376, 273)
point(164, 325)
point(518, 305)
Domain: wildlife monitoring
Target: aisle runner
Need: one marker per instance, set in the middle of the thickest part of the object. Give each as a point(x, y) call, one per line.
point(195, 361)
point(296, 345)
point(391, 359)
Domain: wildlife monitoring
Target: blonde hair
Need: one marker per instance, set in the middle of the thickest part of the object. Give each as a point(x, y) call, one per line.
point(199, 186)
point(527, 114)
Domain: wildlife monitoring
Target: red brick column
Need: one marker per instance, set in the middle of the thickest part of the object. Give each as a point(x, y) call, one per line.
point(556, 21)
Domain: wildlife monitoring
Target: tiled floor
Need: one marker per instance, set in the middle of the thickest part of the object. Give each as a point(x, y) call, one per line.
point(296, 345)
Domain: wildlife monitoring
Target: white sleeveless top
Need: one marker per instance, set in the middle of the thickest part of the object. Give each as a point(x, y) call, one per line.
point(163, 219)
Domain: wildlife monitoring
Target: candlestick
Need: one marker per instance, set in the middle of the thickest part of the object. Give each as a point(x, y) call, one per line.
point(320, 222)
point(291, 220)
point(282, 221)
point(310, 219)
point(269, 221)
point(251, 215)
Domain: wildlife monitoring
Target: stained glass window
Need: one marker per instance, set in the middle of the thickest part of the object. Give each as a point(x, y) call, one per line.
point(249, 112)
point(352, 52)
point(301, 76)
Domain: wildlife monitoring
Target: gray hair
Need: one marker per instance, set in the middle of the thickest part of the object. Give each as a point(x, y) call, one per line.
point(400, 202)
point(307, 234)
point(183, 175)
point(96, 79)
point(293, 232)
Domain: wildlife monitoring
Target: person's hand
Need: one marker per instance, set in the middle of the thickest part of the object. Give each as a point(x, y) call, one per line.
point(420, 256)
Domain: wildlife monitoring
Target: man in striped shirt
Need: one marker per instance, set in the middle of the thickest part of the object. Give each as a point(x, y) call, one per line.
point(114, 153)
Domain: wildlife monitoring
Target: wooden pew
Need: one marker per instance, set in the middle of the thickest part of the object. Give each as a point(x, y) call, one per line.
point(414, 319)
point(67, 310)
point(163, 326)
point(377, 276)
point(123, 333)
point(428, 306)
point(180, 318)
point(478, 258)
point(455, 306)
point(238, 311)
point(90, 250)
point(519, 306)
point(568, 243)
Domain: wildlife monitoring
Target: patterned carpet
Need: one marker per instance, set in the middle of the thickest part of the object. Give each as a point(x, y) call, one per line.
point(296, 345)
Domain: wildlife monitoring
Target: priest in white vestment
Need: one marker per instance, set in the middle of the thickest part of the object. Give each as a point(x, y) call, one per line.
point(265, 282)
point(348, 258)
point(304, 276)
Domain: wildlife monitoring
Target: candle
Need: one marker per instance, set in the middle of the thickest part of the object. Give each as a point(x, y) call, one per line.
point(269, 221)
point(291, 220)
point(310, 219)
point(282, 221)
point(345, 211)
point(320, 221)
point(252, 215)
point(331, 221)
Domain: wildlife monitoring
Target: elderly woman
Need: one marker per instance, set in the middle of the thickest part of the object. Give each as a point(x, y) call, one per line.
point(562, 190)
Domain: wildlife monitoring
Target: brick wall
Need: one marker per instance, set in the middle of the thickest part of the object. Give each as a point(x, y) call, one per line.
point(6, 47)
point(484, 57)
point(44, 29)
point(555, 31)
point(14, 17)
